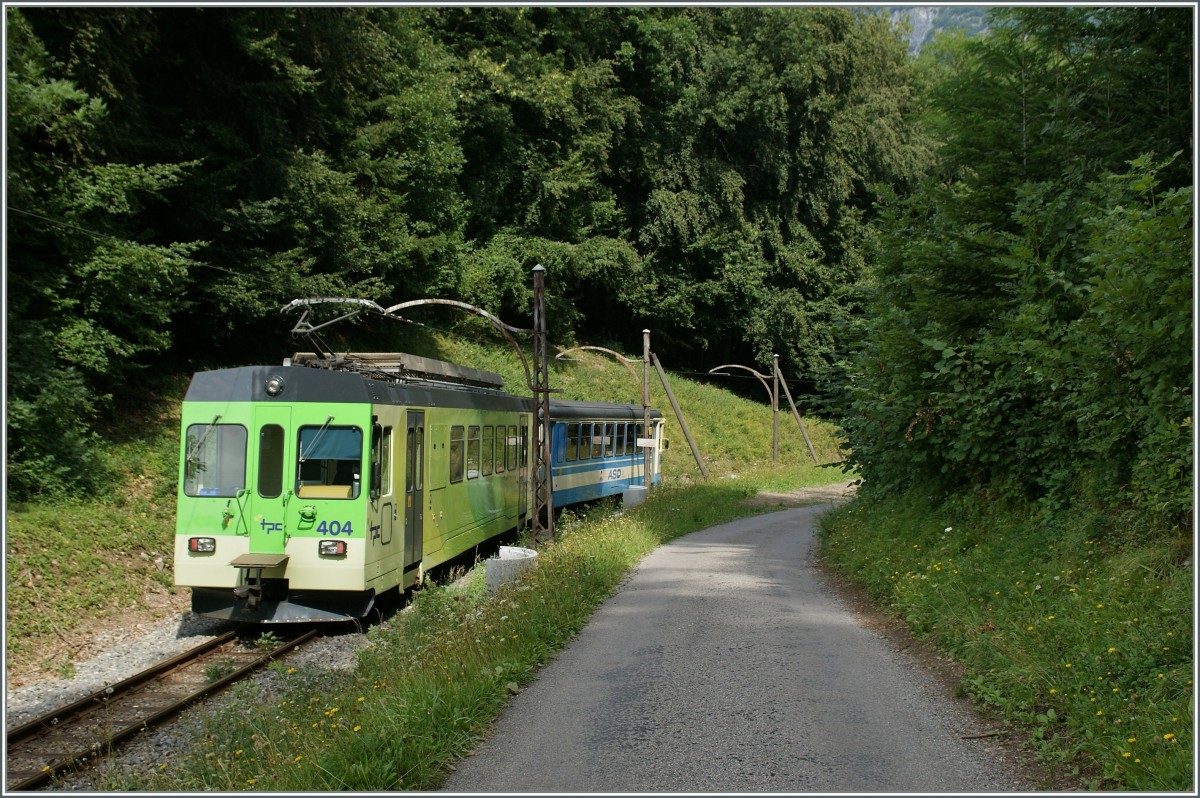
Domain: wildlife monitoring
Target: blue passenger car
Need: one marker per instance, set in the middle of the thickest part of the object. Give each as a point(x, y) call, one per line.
point(595, 451)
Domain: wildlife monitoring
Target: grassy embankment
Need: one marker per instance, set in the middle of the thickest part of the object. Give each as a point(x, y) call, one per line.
point(1074, 625)
point(73, 566)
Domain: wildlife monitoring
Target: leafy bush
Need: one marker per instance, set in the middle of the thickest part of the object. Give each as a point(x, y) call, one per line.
point(1079, 363)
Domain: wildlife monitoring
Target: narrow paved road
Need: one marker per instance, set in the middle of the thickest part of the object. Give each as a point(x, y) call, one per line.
point(726, 665)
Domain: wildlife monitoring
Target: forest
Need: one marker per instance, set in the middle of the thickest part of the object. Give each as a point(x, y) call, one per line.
point(978, 260)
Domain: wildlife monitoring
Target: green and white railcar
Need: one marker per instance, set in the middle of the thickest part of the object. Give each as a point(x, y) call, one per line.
point(305, 493)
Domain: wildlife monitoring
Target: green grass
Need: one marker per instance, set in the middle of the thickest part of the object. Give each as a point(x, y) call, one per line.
point(1078, 631)
point(428, 688)
point(70, 564)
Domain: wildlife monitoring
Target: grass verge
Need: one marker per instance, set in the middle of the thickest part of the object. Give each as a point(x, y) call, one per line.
point(72, 564)
point(428, 687)
point(1074, 627)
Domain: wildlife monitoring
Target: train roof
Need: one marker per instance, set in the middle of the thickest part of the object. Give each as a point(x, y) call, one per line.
point(567, 409)
point(308, 384)
point(399, 365)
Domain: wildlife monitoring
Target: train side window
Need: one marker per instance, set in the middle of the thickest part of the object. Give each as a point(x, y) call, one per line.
point(386, 468)
point(270, 461)
point(486, 458)
point(329, 462)
point(500, 449)
point(381, 461)
point(572, 440)
point(524, 444)
point(456, 453)
point(472, 452)
point(215, 460)
point(408, 478)
point(512, 448)
point(585, 438)
point(610, 435)
point(597, 440)
point(619, 446)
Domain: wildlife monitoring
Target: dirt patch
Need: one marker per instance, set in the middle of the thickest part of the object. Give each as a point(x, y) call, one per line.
point(834, 493)
point(91, 639)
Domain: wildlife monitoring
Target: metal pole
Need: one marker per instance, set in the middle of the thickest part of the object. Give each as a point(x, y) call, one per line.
point(775, 415)
point(646, 478)
point(543, 496)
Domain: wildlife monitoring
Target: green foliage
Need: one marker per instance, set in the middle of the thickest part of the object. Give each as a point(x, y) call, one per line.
point(219, 669)
point(89, 291)
point(176, 175)
point(1136, 338)
point(1028, 323)
point(1072, 625)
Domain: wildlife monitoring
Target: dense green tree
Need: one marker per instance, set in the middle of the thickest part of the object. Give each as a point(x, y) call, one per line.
point(177, 174)
point(998, 346)
point(297, 152)
point(701, 172)
point(91, 287)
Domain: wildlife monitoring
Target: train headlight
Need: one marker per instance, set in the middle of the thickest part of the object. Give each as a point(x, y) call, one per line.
point(332, 548)
point(202, 545)
point(274, 385)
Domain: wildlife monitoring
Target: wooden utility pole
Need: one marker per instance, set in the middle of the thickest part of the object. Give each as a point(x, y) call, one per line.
point(679, 415)
point(795, 412)
point(775, 415)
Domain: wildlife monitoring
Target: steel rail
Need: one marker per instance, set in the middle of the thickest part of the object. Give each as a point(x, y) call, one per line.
point(50, 770)
point(100, 697)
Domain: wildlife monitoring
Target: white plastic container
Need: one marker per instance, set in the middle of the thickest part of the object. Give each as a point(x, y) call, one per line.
point(633, 496)
point(507, 565)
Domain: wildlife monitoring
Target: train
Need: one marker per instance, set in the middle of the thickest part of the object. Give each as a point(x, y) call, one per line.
point(308, 491)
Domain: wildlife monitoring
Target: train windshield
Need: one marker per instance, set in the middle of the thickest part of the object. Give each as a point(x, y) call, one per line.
point(215, 460)
point(330, 462)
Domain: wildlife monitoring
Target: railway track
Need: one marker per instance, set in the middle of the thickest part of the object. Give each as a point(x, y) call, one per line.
point(90, 728)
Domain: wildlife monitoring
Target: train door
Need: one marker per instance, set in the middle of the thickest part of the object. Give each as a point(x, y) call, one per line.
point(414, 487)
point(381, 482)
point(523, 455)
point(265, 498)
point(383, 560)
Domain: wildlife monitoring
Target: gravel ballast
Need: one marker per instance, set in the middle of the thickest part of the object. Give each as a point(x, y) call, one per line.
point(128, 651)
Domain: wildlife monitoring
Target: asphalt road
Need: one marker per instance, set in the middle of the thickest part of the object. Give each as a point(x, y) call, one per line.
point(726, 665)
